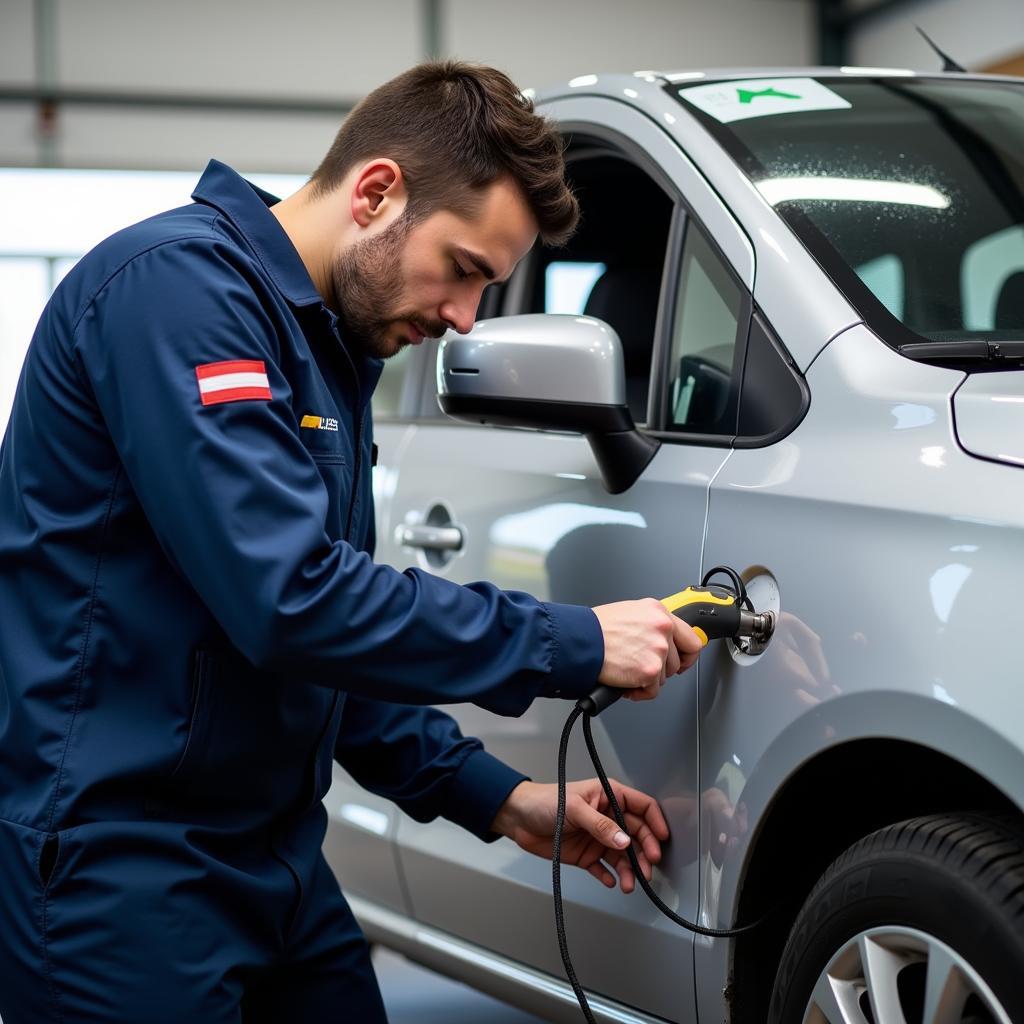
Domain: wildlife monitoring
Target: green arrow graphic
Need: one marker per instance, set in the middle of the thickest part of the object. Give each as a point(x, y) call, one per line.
point(746, 95)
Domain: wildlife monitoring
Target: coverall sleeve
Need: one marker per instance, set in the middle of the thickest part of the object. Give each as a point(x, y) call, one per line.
point(418, 758)
point(239, 507)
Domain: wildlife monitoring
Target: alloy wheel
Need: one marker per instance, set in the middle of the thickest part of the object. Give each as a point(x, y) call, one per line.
point(895, 975)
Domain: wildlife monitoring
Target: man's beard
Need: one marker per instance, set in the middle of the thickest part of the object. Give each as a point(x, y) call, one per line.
point(367, 279)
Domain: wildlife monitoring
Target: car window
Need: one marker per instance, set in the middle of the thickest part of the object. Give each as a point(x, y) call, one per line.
point(386, 401)
point(706, 324)
point(612, 268)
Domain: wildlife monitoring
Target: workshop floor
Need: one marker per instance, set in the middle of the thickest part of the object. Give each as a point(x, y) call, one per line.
point(414, 995)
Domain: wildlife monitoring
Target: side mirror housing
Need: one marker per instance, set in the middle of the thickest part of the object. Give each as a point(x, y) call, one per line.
point(548, 372)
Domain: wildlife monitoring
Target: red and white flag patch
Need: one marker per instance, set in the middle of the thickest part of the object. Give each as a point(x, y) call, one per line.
point(232, 381)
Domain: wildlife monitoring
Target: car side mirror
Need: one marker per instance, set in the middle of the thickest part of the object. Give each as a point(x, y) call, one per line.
point(549, 372)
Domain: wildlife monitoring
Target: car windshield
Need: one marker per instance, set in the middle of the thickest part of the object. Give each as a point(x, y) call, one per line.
point(909, 191)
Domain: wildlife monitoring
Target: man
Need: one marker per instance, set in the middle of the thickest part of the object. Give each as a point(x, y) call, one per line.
point(191, 623)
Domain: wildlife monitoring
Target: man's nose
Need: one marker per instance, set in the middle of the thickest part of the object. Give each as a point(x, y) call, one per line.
point(459, 316)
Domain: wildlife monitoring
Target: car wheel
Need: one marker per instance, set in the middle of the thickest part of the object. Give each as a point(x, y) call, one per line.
point(919, 923)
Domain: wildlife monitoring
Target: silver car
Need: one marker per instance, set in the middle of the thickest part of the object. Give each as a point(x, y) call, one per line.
point(815, 279)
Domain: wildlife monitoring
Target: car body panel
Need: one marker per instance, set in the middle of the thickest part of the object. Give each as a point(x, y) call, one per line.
point(911, 643)
point(512, 981)
point(536, 517)
point(987, 415)
point(360, 830)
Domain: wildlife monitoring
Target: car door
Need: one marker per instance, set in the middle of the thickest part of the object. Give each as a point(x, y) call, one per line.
point(361, 826)
point(534, 516)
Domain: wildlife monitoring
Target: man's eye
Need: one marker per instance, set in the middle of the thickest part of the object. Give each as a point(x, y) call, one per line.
point(459, 272)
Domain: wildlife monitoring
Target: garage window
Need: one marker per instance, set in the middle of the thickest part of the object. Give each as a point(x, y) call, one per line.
point(60, 215)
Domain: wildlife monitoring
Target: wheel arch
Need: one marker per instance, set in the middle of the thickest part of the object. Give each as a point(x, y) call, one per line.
point(897, 777)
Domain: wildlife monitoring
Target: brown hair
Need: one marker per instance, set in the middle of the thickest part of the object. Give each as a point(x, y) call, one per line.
point(454, 128)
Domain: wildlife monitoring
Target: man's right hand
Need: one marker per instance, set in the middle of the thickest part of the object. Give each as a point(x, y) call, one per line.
point(644, 644)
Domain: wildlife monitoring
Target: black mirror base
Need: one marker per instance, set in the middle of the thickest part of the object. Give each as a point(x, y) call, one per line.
point(622, 456)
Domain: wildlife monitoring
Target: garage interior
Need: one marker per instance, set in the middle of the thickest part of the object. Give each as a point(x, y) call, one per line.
point(110, 110)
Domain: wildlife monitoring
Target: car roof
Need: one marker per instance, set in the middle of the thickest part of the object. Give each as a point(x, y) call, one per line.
point(614, 83)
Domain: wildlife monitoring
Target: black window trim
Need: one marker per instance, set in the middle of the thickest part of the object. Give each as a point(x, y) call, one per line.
point(771, 338)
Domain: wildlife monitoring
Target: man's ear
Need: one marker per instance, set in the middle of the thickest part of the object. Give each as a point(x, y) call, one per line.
point(378, 193)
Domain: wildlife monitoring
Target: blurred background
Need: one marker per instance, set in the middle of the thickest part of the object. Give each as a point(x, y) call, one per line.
point(109, 109)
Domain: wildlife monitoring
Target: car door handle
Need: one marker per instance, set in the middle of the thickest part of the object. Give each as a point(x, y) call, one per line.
point(432, 538)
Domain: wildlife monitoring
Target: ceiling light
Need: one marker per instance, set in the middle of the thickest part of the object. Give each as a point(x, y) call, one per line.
point(876, 71)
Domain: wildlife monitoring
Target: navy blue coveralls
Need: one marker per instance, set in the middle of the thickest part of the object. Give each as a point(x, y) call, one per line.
point(192, 626)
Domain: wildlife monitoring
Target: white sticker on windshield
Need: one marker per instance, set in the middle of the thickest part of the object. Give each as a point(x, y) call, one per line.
point(736, 101)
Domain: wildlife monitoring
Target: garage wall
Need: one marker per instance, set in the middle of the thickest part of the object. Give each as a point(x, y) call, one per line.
point(547, 41)
point(976, 33)
point(329, 51)
point(334, 51)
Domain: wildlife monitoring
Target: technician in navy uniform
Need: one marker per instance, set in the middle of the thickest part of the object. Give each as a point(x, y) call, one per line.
point(191, 622)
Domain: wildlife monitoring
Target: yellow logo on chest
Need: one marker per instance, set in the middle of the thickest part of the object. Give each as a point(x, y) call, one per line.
point(319, 423)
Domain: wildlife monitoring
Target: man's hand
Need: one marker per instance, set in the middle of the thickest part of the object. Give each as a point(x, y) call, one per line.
point(644, 644)
point(590, 837)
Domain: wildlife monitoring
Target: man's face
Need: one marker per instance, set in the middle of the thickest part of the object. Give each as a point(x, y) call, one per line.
point(410, 282)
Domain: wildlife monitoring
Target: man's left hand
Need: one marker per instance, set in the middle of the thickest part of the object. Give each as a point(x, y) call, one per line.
point(590, 836)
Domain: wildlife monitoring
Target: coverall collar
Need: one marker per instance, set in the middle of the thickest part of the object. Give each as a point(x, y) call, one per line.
point(248, 208)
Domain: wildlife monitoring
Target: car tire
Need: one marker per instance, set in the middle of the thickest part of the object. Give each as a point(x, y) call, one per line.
point(935, 901)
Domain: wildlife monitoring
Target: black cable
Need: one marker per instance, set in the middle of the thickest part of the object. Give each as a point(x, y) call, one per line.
point(556, 860)
point(714, 933)
point(556, 868)
point(739, 587)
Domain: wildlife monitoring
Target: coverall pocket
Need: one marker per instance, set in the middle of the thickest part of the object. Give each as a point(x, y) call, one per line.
point(49, 855)
point(195, 739)
point(30, 854)
point(324, 458)
point(58, 853)
point(338, 483)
